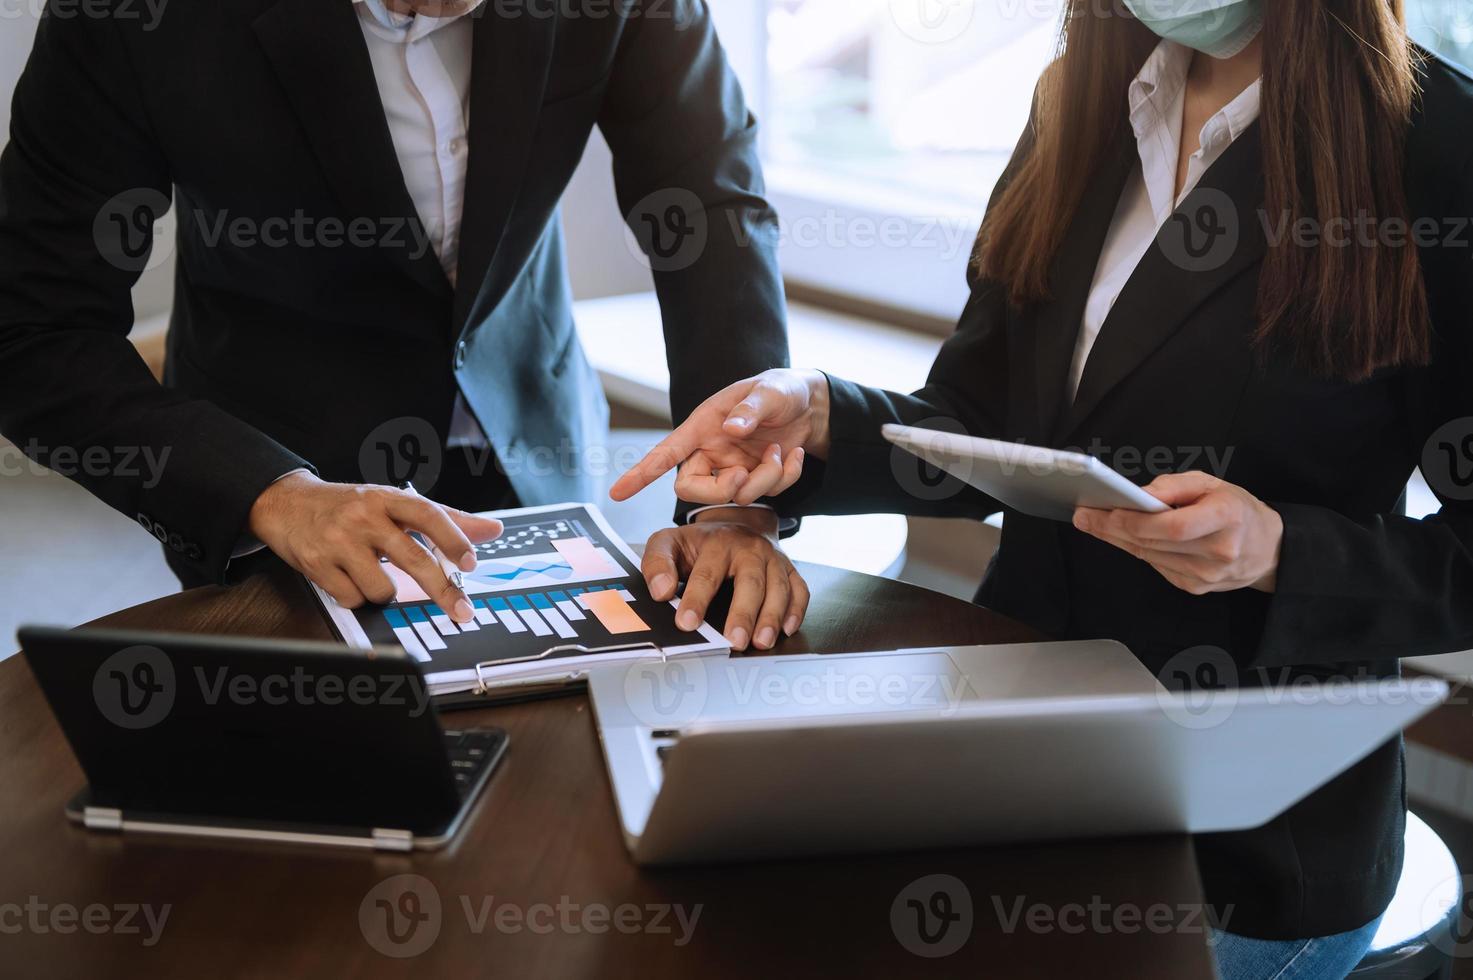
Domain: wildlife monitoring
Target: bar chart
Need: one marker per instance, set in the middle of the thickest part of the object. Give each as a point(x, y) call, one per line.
point(557, 585)
point(423, 630)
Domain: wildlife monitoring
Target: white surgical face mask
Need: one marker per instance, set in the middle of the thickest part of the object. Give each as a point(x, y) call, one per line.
point(1219, 28)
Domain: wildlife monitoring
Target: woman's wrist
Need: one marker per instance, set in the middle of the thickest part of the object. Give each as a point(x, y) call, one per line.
point(817, 443)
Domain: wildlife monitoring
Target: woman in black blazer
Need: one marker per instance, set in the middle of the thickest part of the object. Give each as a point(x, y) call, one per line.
point(1286, 343)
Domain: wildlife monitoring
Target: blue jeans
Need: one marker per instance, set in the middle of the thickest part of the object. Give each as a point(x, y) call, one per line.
point(1323, 958)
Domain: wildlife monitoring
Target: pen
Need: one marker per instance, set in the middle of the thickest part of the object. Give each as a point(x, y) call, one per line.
point(451, 570)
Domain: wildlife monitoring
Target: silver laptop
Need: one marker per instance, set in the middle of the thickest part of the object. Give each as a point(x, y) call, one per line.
point(731, 759)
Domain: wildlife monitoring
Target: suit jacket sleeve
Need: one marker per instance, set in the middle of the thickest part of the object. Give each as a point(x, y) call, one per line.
point(690, 186)
point(1388, 586)
point(966, 393)
point(81, 183)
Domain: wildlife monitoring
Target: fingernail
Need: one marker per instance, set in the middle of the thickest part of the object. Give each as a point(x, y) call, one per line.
point(738, 638)
point(741, 478)
point(740, 422)
point(468, 562)
point(766, 637)
point(800, 454)
point(791, 626)
point(1080, 522)
point(463, 611)
point(661, 585)
point(688, 621)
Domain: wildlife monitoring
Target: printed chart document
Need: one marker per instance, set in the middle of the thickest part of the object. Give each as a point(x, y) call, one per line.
point(557, 593)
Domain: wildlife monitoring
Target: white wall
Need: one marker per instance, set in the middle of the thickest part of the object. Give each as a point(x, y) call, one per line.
point(15, 44)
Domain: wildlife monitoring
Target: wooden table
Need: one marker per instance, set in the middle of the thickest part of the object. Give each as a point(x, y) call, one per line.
point(539, 884)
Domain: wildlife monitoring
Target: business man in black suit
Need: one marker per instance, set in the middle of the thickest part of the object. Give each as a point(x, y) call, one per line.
point(316, 334)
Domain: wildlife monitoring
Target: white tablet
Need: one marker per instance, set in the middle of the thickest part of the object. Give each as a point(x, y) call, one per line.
point(1032, 480)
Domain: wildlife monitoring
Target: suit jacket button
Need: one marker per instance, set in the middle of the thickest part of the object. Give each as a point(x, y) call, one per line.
point(460, 355)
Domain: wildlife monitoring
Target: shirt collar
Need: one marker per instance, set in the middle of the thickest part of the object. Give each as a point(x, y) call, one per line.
point(1160, 85)
point(407, 25)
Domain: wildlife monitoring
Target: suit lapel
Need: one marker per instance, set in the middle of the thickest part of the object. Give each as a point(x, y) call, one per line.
point(509, 72)
point(1051, 332)
point(1213, 237)
point(316, 48)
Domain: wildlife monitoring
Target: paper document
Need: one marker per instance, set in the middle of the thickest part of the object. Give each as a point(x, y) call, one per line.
point(557, 593)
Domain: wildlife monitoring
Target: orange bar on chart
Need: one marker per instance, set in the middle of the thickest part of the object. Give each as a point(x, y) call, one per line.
point(613, 612)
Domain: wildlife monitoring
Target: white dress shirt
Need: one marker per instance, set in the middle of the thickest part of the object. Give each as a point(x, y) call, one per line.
point(423, 69)
point(1157, 98)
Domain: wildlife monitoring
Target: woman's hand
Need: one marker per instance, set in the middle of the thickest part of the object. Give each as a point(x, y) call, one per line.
point(743, 443)
point(1220, 537)
point(769, 594)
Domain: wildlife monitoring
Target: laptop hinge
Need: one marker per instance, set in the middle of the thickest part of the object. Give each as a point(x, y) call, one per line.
point(392, 840)
point(102, 818)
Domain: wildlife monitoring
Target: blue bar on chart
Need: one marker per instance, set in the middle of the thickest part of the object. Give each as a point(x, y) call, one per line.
point(554, 618)
point(406, 636)
point(625, 594)
point(442, 622)
point(484, 616)
point(446, 625)
point(420, 623)
point(568, 607)
point(529, 616)
point(503, 612)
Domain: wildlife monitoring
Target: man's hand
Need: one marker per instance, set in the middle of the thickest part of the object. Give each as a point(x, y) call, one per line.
point(743, 443)
point(769, 593)
point(334, 534)
point(1220, 537)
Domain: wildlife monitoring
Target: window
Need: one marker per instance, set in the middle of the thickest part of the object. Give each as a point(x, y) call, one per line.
point(1444, 26)
point(887, 122)
point(890, 102)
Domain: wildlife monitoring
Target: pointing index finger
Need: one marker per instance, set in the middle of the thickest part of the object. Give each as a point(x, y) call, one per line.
point(668, 454)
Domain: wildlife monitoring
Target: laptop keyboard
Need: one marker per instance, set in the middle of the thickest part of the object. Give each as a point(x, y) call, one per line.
point(470, 753)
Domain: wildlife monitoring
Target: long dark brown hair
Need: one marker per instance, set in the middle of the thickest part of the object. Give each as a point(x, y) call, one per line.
point(1338, 91)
